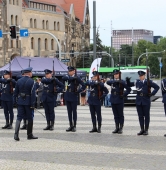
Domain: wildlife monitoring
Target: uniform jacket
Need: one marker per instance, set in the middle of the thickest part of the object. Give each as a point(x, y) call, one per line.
point(116, 89)
point(163, 90)
point(142, 91)
point(73, 88)
point(48, 94)
point(6, 94)
point(28, 89)
point(93, 98)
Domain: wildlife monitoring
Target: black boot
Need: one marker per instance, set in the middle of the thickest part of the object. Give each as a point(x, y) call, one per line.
point(52, 125)
point(17, 127)
point(94, 129)
point(74, 127)
point(7, 125)
point(48, 126)
point(70, 128)
point(116, 128)
point(146, 131)
point(165, 135)
point(24, 127)
point(29, 131)
point(99, 128)
point(141, 132)
point(10, 125)
point(120, 131)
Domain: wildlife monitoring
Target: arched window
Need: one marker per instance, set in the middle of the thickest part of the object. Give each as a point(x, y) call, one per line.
point(43, 26)
point(58, 26)
point(57, 45)
point(32, 43)
point(35, 23)
point(12, 20)
point(13, 2)
point(54, 25)
point(39, 46)
point(31, 23)
point(16, 20)
point(17, 2)
point(46, 44)
point(52, 44)
point(10, 2)
point(47, 25)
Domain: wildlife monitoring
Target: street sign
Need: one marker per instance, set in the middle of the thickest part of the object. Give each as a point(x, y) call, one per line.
point(1, 34)
point(161, 65)
point(24, 33)
point(65, 60)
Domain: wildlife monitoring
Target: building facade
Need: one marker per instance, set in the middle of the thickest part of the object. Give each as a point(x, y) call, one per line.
point(66, 19)
point(122, 37)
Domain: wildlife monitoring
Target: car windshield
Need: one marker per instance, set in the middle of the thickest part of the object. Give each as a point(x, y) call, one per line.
point(133, 75)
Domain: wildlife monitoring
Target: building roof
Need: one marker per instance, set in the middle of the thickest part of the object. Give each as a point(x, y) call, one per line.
point(79, 6)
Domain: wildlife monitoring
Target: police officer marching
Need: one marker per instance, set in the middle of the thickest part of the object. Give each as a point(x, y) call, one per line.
point(143, 100)
point(97, 92)
point(117, 100)
point(24, 98)
point(51, 86)
point(163, 90)
point(71, 96)
point(7, 98)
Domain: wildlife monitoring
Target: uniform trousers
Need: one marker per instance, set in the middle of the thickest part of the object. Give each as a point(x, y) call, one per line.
point(24, 111)
point(72, 110)
point(144, 115)
point(8, 110)
point(95, 109)
point(49, 110)
point(118, 113)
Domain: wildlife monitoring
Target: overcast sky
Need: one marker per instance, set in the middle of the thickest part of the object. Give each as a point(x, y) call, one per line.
point(125, 14)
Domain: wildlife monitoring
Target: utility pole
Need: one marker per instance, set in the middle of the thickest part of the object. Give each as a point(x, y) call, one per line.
point(94, 30)
point(132, 47)
point(111, 48)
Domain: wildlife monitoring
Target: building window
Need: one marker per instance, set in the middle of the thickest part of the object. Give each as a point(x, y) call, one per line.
point(17, 42)
point(39, 46)
point(17, 2)
point(43, 24)
point(13, 2)
point(46, 44)
point(35, 23)
point(47, 25)
point(16, 20)
point(52, 44)
point(58, 26)
point(31, 23)
point(32, 43)
point(12, 20)
point(54, 25)
point(10, 1)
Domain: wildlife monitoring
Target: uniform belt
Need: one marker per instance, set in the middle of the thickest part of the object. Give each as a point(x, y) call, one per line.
point(115, 93)
point(69, 90)
point(141, 94)
point(25, 94)
point(93, 94)
point(48, 91)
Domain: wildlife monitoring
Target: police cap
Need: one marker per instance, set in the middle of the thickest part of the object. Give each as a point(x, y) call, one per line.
point(95, 73)
point(47, 71)
point(26, 70)
point(115, 71)
point(70, 68)
point(6, 72)
point(141, 73)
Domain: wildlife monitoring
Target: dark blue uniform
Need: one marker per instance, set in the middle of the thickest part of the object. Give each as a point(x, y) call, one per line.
point(71, 98)
point(117, 101)
point(7, 100)
point(24, 98)
point(49, 98)
point(143, 101)
point(163, 90)
point(94, 101)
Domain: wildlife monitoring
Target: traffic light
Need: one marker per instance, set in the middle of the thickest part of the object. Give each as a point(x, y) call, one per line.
point(57, 54)
point(13, 32)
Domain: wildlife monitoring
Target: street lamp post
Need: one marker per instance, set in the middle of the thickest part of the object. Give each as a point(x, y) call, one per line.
point(109, 58)
point(147, 54)
point(159, 58)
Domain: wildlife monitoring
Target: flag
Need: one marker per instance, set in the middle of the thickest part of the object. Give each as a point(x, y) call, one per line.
point(95, 66)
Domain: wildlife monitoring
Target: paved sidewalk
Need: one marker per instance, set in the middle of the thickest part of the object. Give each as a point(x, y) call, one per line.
point(81, 150)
